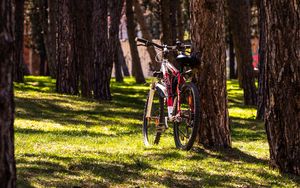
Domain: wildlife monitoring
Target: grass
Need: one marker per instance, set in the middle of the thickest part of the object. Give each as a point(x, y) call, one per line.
point(68, 141)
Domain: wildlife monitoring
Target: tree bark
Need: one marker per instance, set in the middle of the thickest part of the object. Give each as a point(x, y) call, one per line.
point(154, 66)
point(67, 74)
point(179, 21)
point(136, 62)
point(7, 156)
point(239, 20)
point(102, 65)
point(19, 30)
point(82, 13)
point(52, 39)
point(173, 20)
point(282, 78)
point(165, 13)
point(208, 39)
point(261, 98)
point(115, 9)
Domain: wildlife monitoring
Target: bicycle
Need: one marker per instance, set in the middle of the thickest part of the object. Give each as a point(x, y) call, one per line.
point(172, 89)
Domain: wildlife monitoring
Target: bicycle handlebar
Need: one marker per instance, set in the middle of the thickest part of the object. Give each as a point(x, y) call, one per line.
point(149, 43)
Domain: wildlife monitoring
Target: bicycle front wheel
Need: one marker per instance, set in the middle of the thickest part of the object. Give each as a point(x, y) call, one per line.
point(153, 119)
point(186, 128)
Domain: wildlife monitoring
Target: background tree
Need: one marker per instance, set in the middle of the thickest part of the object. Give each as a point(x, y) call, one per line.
point(165, 13)
point(115, 12)
point(7, 156)
point(154, 66)
point(282, 78)
point(82, 12)
point(136, 62)
point(37, 14)
point(239, 21)
point(208, 39)
point(52, 37)
point(67, 73)
point(19, 30)
point(261, 98)
point(102, 65)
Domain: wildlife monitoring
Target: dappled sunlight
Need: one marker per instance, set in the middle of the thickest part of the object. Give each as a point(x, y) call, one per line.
point(67, 141)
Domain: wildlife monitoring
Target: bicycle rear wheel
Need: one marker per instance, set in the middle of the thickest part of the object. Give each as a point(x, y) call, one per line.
point(186, 128)
point(153, 125)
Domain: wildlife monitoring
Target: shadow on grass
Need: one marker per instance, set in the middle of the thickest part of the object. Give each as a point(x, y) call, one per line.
point(247, 129)
point(114, 173)
point(51, 170)
point(50, 109)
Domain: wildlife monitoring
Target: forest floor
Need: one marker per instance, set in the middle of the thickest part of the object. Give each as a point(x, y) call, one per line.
point(68, 141)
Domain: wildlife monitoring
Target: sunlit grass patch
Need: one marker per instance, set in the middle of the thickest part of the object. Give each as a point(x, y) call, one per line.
point(67, 141)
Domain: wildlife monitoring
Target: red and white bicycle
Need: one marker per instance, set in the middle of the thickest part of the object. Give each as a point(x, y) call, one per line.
point(172, 98)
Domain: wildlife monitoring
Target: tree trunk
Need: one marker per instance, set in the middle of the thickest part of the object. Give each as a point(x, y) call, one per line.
point(52, 42)
point(261, 99)
point(179, 21)
point(282, 78)
point(43, 59)
point(118, 67)
point(103, 66)
point(154, 66)
point(165, 13)
point(84, 43)
point(208, 38)
point(232, 74)
point(7, 156)
point(136, 62)
point(43, 17)
point(67, 74)
point(115, 9)
point(173, 20)
point(239, 20)
point(122, 61)
point(19, 30)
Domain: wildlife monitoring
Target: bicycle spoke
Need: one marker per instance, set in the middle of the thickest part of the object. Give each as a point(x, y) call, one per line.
point(182, 133)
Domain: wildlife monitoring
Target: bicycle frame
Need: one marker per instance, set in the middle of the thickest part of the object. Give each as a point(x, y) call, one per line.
point(166, 89)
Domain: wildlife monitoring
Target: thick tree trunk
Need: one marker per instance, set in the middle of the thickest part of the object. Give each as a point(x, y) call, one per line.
point(115, 9)
point(19, 30)
point(239, 19)
point(208, 38)
point(154, 66)
point(7, 156)
point(82, 13)
point(282, 78)
point(136, 62)
point(103, 66)
point(67, 74)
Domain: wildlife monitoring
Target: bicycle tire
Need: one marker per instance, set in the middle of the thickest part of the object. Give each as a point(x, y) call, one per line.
point(194, 119)
point(151, 134)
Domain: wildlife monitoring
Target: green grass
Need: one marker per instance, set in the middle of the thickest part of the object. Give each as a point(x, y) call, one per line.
point(68, 141)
